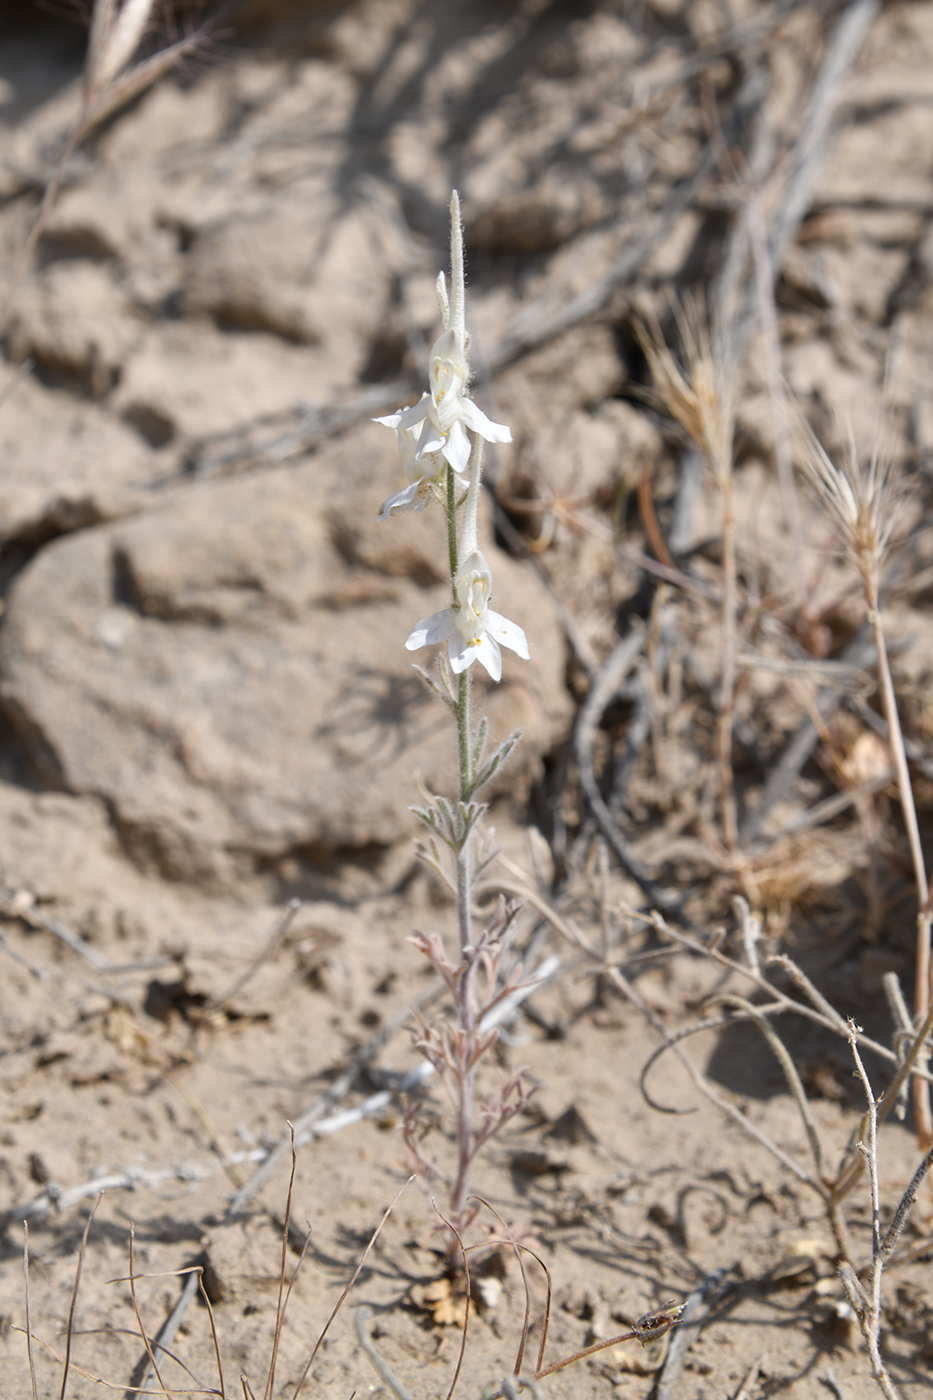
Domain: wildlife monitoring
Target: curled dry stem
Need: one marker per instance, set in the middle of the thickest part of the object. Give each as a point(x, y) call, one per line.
point(821, 1013)
point(466, 1315)
point(284, 1295)
point(377, 1360)
point(702, 1083)
point(517, 1251)
point(131, 1280)
point(790, 1074)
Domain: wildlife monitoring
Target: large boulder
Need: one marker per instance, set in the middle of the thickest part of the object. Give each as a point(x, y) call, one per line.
point(228, 672)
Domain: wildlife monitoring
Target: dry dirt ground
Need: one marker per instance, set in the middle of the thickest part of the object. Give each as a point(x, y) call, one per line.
point(207, 710)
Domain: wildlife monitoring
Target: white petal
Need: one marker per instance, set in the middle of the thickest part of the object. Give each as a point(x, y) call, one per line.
point(431, 440)
point(409, 417)
point(436, 628)
point(461, 653)
point(457, 448)
point(509, 634)
point(410, 498)
point(391, 420)
point(490, 656)
point(476, 419)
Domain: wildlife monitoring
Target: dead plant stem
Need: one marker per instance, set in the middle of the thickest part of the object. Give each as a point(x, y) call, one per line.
point(380, 1365)
point(31, 1358)
point(702, 1083)
point(727, 705)
point(922, 1108)
point(355, 1275)
point(867, 1302)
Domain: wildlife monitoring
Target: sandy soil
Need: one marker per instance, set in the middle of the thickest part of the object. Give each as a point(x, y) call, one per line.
point(211, 738)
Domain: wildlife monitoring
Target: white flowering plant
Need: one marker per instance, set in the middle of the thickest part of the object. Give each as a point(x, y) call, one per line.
point(441, 440)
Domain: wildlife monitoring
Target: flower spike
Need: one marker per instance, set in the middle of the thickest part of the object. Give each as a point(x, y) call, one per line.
point(472, 629)
point(444, 416)
point(441, 439)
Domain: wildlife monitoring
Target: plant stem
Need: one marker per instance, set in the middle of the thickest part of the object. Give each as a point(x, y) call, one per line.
point(466, 1007)
point(922, 1110)
point(729, 596)
point(869, 1314)
point(452, 529)
point(463, 738)
point(465, 999)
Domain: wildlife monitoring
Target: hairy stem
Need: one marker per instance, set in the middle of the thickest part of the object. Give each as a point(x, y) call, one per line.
point(466, 1001)
point(452, 529)
point(465, 1070)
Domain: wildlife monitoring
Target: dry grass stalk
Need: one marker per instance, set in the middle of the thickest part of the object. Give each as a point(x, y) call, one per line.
point(31, 1358)
point(860, 1153)
point(831, 1188)
point(114, 37)
point(157, 1347)
point(700, 396)
point(866, 1302)
point(865, 505)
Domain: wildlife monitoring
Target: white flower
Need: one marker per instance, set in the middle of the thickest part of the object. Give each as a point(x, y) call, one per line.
point(424, 474)
point(472, 629)
point(412, 497)
point(445, 414)
point(437, 426)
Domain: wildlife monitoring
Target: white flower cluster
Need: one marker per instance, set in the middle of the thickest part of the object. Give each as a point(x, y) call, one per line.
point(444, 433)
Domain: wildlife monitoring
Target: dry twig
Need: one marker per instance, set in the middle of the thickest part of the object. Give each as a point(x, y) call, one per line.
point(866, 1302)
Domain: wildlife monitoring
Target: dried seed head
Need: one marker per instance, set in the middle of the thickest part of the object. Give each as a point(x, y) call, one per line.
point(115, 36)
point(864, 503)
point(111, 77)
point(698, 394)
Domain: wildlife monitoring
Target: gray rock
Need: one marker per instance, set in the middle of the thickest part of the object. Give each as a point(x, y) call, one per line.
point(306, 271)
point(66, 463)
point(73, 321)
point(228, 672)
